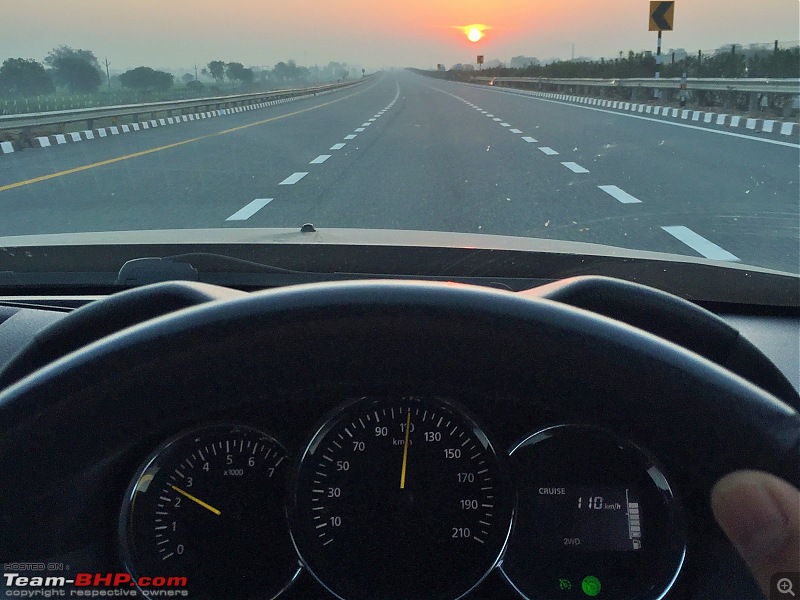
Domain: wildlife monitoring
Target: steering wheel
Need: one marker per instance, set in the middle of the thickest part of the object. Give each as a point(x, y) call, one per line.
point(74, 418)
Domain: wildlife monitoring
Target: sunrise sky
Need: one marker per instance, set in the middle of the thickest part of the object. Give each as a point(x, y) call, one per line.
point(421, 33)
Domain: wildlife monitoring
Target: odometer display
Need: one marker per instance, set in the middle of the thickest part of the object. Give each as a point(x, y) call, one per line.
point(400, 499)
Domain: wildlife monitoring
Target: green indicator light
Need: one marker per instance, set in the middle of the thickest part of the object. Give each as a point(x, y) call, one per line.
point(590, 585)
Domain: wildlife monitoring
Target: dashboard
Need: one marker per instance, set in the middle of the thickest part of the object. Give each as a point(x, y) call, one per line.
point(386, 440)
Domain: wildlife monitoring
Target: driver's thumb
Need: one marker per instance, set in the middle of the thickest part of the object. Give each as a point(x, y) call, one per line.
point(761, 515)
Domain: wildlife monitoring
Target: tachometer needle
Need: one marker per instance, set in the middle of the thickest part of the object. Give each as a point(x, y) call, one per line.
point(405, 452)
point(197, 500)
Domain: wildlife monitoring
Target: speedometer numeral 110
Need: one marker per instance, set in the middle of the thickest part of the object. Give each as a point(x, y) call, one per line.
point(401, 499)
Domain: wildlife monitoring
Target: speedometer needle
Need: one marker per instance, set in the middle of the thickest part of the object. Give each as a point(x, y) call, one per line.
point(405, 452)
point(193, 499)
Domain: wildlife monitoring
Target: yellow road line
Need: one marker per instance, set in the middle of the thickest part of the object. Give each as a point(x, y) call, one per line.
point(110, 161)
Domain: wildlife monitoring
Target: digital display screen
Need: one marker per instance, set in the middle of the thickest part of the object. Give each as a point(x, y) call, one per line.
point(598, 517)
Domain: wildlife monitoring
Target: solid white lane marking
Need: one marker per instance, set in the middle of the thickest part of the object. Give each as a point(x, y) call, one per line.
point(575, 167)
point(720, 119)
point(249, 210)
point(515, 131)
point(292, 179)
point(529, 139)
point(338, 146)
point(619, 194)
point(350, 137)
point(548, 150)
point(359, 129)
point(699, 244)
point(320, 159)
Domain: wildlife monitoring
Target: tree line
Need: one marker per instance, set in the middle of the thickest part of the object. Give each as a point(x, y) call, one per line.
point(79, 71)
point(727, 62)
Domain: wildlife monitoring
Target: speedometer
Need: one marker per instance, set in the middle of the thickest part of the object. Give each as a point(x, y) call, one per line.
point(400, 499)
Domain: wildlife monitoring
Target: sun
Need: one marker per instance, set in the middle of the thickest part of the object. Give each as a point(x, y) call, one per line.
point(475, 32)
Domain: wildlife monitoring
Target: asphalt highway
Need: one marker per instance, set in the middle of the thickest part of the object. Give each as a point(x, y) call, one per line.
point(402, 151)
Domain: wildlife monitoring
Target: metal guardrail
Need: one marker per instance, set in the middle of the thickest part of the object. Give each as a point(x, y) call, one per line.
point(88, 115)
point(770, 86)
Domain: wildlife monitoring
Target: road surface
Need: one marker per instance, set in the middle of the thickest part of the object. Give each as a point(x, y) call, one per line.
point(403, 151)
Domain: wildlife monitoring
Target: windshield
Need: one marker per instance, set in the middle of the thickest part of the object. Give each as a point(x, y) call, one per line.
point(661, 126)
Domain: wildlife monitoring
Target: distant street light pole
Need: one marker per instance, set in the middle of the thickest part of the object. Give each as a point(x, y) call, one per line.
point(108, 76)
point(658, 64)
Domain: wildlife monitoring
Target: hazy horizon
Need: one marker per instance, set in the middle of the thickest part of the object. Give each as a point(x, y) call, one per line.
point(180, 34)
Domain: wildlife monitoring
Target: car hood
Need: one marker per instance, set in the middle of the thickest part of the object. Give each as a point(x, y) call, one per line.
point(414, 253)
point(342, 236)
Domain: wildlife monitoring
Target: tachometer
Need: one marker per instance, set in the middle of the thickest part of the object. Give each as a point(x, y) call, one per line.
point(209, 506)
point(400, 499)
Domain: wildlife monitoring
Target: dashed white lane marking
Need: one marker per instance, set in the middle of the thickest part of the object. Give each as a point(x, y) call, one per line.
point(515, 131)
point(350, 137)
point(488, 115)
point(485, 112)
point(619, 194)
point(373, 119)
point(575, 167)
point(320, 159)
point(366, 124)
point(292, 179)
point(338, 146)
point(548, 150)
point(359, 129)
point(699, 244)
point(497, 119)
point(249, 210)
point(529, 139)
point(505, 124)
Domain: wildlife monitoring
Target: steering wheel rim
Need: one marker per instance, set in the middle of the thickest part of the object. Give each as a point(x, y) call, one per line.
point(378, 334)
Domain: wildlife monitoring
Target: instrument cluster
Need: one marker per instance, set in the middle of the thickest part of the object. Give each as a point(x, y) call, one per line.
point(404, 497)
